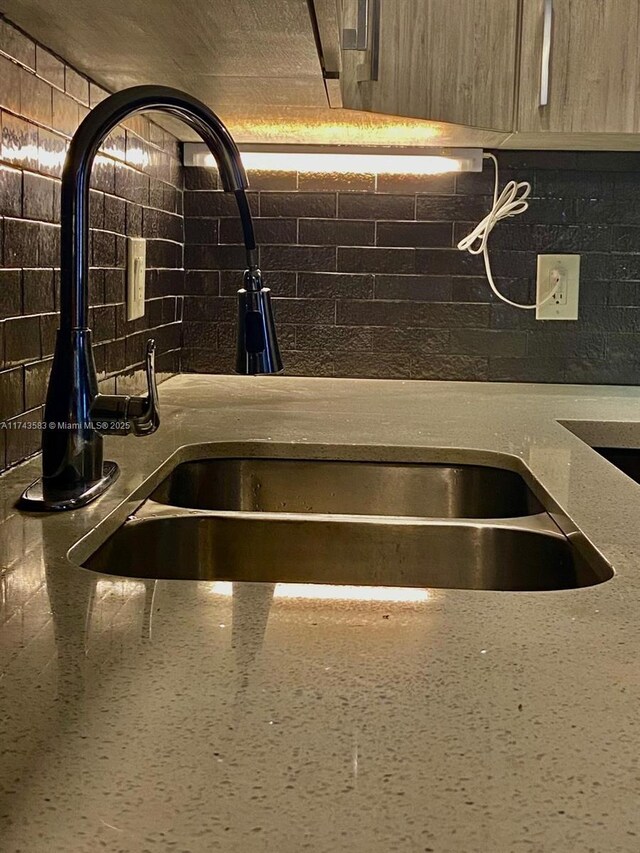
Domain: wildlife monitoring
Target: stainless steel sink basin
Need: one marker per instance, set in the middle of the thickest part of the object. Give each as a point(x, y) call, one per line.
point(359, 551)
point(352, 488)
point(389, 524)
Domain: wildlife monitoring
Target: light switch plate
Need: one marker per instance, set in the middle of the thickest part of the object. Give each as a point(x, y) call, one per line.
point(136, 275)
point(559, 274)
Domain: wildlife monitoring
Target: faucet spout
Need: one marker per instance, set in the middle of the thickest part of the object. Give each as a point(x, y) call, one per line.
point(91, 134)
point(76, 414)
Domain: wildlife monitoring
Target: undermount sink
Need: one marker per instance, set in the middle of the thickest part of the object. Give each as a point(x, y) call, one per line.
point(350, 488)
point(384, 553)
point(267, 520)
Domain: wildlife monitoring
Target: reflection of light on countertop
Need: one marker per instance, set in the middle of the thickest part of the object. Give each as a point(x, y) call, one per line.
point(120, 587)
point(337, 592)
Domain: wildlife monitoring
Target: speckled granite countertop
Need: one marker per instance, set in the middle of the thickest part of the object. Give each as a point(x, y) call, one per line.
point(465, 722)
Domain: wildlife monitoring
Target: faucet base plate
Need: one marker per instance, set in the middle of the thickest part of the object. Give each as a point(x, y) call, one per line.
point(34, 500)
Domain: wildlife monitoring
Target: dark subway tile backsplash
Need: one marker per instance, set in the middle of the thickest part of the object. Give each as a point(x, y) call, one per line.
point(335, 285)
point(362, 266)
point(376, 207)
point(376, 260)
point(418, 234)
point(296, 258)
point(299, 205)
point(337, 232)
point(137, 181)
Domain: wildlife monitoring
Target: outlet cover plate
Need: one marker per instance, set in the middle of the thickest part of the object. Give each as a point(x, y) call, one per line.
point(563, 273)
point(136, 275)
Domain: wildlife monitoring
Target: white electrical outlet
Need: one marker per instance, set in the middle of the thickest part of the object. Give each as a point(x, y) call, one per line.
point(560, 275)
point(136, 274)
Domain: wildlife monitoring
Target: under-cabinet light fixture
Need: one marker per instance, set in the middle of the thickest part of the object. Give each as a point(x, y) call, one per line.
point(345, 159)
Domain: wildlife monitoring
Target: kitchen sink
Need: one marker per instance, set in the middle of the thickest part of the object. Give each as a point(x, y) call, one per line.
point(318, 521)
point(351, 488)
point(379, 552)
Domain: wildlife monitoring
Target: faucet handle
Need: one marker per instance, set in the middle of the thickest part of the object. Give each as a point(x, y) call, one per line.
point(150, 367)
point(118, 414)
point(143, 412)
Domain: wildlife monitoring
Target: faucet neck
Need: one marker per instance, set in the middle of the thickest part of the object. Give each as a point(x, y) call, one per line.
point(76, 175)
point(76, 414)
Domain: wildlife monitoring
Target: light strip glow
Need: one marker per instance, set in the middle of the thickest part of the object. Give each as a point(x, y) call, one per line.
point(337, 592)
point(389, 164)
point(391, 161)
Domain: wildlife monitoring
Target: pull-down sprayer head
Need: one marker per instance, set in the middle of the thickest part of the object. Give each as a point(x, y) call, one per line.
point(257, 346)
point(258, 350)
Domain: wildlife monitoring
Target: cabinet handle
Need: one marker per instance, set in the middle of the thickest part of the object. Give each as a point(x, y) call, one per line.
point(368, 71)
point(358, 39)
point(375, 39)
point(546, 52)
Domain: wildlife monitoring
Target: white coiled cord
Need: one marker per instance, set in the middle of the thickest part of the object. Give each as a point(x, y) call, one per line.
point(511, 202)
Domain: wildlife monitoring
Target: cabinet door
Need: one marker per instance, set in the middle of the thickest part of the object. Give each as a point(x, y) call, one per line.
point(592, 59)
point(444, 60)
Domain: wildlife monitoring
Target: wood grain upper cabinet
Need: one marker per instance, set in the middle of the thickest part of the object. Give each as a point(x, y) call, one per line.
point(444, 60)
point(592, 55)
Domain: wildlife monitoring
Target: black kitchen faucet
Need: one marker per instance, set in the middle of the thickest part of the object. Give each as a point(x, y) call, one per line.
point(77, 415)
